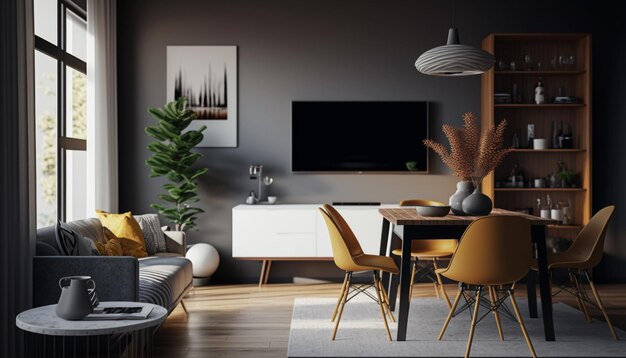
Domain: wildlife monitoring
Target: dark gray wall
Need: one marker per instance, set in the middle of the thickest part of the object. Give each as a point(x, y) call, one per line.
point(609, 128)
point(305, 50)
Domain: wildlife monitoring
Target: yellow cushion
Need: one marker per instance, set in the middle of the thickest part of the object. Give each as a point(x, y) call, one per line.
point(112, 247)
point(127, 230)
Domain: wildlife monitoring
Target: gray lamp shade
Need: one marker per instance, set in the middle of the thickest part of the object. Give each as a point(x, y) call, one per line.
point(454, 59)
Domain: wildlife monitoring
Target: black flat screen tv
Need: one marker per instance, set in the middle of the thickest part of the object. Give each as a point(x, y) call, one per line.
point(359, 136)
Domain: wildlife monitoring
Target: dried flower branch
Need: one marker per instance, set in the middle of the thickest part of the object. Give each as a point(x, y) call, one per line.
point(472, 155)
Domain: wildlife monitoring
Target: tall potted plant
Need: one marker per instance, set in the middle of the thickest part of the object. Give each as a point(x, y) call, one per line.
point(173, 158)
point(471, 157)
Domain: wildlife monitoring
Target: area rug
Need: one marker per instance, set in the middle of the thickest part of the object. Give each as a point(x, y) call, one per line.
point(362, 334)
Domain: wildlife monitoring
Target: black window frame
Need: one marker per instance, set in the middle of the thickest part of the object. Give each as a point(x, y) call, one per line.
point(64, 58)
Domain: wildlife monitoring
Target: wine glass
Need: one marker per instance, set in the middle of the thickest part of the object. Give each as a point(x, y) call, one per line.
point(529, 62)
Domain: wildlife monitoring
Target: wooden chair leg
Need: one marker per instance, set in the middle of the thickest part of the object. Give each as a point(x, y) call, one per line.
point(496, 315)
point(473, 325)
point(412, 279)
point(581, 302)
point(381, 304)
point(343, 289)
point(440, 282)
point(385, 298)
point(343, 304)
point(601, 306)
point(452, 309)
point(521, 325)
point(435, 283)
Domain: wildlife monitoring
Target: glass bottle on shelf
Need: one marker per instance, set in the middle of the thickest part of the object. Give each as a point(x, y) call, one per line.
point(544, 210)
point(566, 209)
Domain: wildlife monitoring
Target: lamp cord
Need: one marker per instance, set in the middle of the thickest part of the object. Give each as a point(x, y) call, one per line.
point(453, 15)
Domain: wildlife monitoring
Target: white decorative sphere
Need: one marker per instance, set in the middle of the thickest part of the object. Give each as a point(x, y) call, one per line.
point(204, 259)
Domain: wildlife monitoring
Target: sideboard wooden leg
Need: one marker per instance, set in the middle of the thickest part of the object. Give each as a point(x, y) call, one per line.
point(267, 271)
point(262, 275)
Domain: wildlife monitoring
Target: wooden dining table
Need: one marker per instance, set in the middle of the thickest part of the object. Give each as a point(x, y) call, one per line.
point(407, 225)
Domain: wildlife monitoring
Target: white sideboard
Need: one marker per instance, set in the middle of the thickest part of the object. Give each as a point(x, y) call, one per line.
point(297, 232)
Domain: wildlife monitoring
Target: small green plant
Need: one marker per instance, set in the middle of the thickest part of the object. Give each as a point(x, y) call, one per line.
point(173, 159)
point(565, 175)
point(411, 166)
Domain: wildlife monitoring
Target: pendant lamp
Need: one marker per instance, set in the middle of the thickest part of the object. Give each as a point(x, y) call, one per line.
point(454, 59)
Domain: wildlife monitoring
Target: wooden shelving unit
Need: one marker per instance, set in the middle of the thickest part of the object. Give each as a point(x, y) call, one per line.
point(542, 189)
point(574, 79)
point(542, 106)
point(548, 150)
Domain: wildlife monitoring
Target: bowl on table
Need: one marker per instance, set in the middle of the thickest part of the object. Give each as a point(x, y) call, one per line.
point(433, 210)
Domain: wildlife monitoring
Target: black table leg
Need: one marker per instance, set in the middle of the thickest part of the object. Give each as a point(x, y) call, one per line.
point(392, 290)
point(405, 285)
point(531, 289)
point(384, 239)
point(539, 237)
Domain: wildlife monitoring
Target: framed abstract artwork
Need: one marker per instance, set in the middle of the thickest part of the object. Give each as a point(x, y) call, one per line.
point(207, 77)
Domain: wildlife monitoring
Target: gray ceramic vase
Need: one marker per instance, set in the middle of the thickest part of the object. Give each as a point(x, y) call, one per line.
point(477, 204)
point(463, 190)
point(75, 301)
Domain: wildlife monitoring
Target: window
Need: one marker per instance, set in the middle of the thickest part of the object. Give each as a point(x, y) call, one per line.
point(60, 109)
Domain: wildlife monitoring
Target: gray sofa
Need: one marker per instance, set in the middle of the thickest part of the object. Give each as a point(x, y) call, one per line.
point(162, 279)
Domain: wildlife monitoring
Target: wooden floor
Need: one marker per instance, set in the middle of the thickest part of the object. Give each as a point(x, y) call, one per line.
point(248, 321)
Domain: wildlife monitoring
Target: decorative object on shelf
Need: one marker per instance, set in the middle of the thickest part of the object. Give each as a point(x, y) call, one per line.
point(512, 65)
point(271, 199)
point(567, 62)
point(544, 211)
point(515, 96)
point(540, 183)
point(566, 207)
point(528, 60)
point(256, 173)
point(205, 260)
point(251, 199)
point(555, 135)
point(515, 142)
point(207, 76)
point(472, 156)
point(516, 179)
point(553, 182)
point(75, 302)
point(565, 100)
point(174, 159)
point(454, 59)
point(556, 214)
point(566, 140)
point(411, 166)
point(540, 143)
point(502, 98)
point(565, 175)
point(530, 135)
point(540, 97)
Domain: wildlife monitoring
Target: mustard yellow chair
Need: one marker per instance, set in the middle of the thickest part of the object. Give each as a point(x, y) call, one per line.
point(428, 252)
point(349, 256)
point(494, 253)
point(582, 256)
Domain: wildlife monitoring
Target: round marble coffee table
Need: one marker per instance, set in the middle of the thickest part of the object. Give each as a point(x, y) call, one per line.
point(49, 335)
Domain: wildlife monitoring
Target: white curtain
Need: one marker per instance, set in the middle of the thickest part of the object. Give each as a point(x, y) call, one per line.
point(102, 177)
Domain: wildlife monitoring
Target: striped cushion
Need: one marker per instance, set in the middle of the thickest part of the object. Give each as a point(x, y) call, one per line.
point(152, 233)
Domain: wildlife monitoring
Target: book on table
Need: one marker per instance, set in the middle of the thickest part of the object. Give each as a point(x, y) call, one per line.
point(119, 310)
